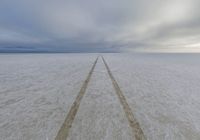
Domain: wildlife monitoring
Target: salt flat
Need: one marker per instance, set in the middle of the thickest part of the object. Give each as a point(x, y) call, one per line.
point(100, 115)
point(38, 90)
point(163, 91)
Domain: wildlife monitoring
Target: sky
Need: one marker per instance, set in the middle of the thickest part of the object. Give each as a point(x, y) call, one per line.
point(100, 26)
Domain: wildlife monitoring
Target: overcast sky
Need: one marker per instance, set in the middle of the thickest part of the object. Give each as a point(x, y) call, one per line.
point(100, 25)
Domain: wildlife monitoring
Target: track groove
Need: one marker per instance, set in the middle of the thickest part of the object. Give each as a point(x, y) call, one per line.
point(64, 130)
point(135, 126)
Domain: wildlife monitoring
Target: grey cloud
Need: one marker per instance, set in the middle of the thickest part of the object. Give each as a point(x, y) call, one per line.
point(99, 26)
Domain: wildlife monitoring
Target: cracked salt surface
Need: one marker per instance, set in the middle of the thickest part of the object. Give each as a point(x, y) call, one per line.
point(163, 91)
point(37, 91)
point(100, 115)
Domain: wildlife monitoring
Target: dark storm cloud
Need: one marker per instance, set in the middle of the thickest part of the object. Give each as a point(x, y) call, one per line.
point(99, 26)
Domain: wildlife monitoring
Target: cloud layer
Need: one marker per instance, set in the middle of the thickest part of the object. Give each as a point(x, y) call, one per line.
point(100, 26)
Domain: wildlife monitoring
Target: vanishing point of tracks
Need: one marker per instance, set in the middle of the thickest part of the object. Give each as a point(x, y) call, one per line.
point(134, 125)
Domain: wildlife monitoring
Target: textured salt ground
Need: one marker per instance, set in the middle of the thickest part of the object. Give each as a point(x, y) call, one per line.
point(137, 132)
point(37, 91)
point(64, 130)
point(100, 115)
point(163, 91)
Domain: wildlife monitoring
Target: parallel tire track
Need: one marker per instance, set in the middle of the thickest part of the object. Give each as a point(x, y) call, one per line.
point(64, 130)
point(135, 126)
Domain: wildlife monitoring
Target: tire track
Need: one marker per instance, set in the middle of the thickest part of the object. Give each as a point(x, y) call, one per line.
point(135, 126)
point(64, 130)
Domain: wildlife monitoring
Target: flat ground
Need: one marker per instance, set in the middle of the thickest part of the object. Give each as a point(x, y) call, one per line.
point(162, 91)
